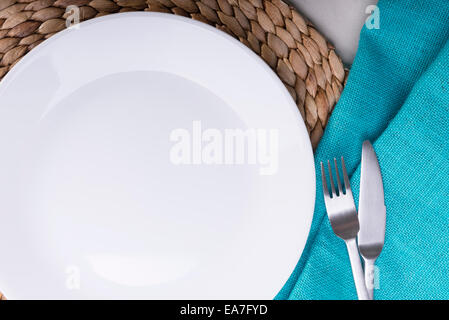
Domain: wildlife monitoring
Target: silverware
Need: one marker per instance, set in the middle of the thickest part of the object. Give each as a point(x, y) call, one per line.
point(372, 213)
point(342, 214)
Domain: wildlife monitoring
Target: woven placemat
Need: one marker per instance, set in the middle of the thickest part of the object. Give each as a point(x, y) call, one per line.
point(294, 49)
point(290, 45)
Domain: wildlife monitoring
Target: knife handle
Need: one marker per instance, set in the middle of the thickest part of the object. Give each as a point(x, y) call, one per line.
point(357, 271)
point(369, 277)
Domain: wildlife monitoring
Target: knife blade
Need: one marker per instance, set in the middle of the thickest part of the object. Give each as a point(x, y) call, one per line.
point(372, 213)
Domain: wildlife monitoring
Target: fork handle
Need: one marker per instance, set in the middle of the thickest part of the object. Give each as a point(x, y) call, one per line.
point(357, 271)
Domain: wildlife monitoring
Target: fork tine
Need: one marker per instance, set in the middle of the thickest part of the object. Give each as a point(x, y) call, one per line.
point(331, 179)
point(323, 178)
point(340, 190)
point(345, 176)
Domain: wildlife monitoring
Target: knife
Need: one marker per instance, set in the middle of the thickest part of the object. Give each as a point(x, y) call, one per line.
point(372, 213)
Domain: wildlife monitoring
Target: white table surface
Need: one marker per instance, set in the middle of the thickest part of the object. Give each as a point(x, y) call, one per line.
point(340, 21)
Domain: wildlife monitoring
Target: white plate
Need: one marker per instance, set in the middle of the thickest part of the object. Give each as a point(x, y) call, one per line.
point(92, 202)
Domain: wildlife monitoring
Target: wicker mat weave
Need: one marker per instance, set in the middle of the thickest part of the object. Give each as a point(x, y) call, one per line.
point(294, 49)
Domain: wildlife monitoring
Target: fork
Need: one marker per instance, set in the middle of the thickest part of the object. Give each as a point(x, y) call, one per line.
point(342, 215)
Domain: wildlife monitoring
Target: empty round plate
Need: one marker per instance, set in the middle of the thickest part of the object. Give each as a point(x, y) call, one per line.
point(147, 155)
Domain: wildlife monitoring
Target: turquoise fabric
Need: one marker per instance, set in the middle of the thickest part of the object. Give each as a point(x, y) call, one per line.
point(397, 96)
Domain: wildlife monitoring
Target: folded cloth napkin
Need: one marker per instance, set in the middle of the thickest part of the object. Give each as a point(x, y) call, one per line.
point(397, 96)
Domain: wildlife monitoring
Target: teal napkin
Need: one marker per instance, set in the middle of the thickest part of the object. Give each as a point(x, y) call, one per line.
point(397, 96)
